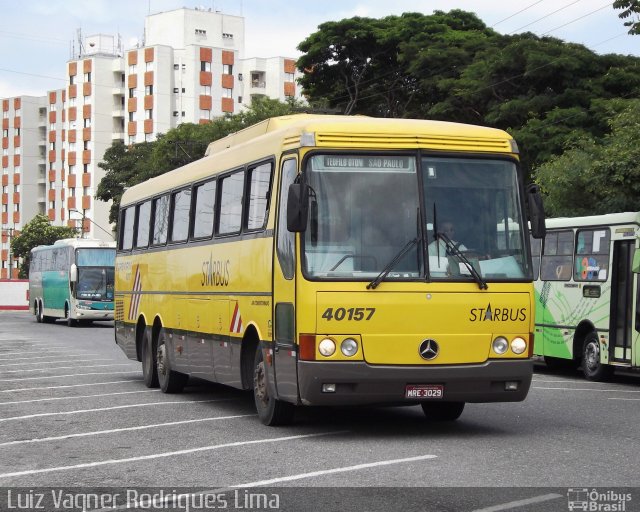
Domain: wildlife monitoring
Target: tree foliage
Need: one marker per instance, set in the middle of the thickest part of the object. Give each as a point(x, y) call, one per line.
point(450, 66)
point(629, 9)
point(596, 176)
point(38, 231)
point(126, 166)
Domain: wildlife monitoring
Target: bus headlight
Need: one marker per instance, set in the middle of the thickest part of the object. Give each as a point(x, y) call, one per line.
point(349, 347)
point(500, 345)
point(518, 345)
point(327, 347)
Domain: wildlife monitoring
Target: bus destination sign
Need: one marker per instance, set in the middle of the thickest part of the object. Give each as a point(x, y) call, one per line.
point(368, 163)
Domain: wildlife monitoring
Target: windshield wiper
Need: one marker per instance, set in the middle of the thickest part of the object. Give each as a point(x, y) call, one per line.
point(453, 249)
point(389, 266)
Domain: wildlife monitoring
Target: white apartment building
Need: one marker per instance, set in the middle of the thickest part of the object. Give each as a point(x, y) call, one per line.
point(190, 68)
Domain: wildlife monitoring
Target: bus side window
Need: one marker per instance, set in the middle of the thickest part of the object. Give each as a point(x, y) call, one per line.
point(557, 256)
point(144, 216)
point(592, 250)
point(205, 196)
point(126, 238)
point(536, 246)
point(259, 187)
point(180, 209)
point(285, 245)
point(160, 220)
point(230, 203)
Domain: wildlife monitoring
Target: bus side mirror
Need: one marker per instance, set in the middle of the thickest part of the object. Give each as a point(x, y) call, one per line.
point(635, 266)
point(297, 207)
point(73, 273)
point(536, 211)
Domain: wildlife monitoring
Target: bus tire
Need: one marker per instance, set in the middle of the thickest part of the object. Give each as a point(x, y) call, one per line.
point(149, 365)
point(442, 411)
point(170, 381)
point(70, 321)
point(592, 368)
point(39, 312)
point(271, 411)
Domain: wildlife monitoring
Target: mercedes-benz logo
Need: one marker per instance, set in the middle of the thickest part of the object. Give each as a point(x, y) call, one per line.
point(429, 349)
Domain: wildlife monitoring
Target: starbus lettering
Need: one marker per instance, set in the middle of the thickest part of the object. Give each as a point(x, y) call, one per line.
point(215, 272)
point(489, 314)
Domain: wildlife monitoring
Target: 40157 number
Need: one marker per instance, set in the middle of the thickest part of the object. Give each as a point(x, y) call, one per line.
point(356, 314)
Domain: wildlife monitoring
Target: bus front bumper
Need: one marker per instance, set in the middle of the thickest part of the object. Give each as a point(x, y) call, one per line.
point(362, 383)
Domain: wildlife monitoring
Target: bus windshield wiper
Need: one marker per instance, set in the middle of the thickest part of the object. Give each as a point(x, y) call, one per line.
point(389, 266)
point(453, 249)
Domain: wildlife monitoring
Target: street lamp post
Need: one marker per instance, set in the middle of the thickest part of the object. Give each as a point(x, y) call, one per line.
point(92, 222)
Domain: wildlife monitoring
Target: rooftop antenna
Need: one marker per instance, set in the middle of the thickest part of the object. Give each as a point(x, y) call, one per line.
point(80, 45)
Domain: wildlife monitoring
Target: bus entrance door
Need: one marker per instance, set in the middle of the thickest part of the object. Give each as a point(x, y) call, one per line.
point(621, 328)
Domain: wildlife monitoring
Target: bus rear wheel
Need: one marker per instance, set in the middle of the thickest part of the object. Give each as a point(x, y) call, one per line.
point(170, 381)
point(271, 411)
point(592, 367)
point(39, 312)
point(442, 411)
point(149, 365)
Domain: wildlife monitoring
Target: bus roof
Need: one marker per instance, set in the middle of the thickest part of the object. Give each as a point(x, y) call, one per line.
point(78, 242)
point(609, 219)
point(326, 131)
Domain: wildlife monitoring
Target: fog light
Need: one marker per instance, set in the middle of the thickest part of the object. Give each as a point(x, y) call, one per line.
point(511, 385)
point(328, 388)
point(518, 345)
point(349, 347)
point(327, 347)
point(500, 345)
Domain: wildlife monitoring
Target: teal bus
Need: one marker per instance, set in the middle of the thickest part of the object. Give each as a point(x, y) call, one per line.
point(588, 293)
point(72, 280)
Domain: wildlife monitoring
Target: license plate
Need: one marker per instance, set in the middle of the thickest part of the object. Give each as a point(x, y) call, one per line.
point(424, 391)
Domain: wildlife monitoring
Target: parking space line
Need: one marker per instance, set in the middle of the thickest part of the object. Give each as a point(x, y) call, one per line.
point(123, 429)
point(590, 389)
point(62, 376)
point(79, 396)
point(136, 381)
point(23, 352)
point(331, 471)
point(98, 409)
point(45, 357)
point(56, 362)
point(177, 453)
point(66, 368)
point(521, 503)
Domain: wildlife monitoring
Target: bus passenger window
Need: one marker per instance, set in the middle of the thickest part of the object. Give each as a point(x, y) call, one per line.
point(181, 208)
point(160, 220)
point(230, 217)
point(205, 199)
point(259, 182)
point(557, 256)
point(126, 241)
point(144, 216)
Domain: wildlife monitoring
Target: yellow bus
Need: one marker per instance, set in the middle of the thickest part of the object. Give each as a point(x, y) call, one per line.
point(306, 258)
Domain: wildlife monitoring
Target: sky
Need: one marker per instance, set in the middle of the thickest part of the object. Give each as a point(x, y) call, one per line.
point(36, 36)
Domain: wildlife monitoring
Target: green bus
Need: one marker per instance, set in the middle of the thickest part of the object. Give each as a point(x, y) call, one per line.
point(587, 293)
point(73, 280)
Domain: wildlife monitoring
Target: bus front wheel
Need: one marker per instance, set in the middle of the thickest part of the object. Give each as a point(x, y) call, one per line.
point(39, 312)
point(442, 411)
point(170, 381)
point(71, 322)
point(271, 411)
point(592, 367)
point(149, 365)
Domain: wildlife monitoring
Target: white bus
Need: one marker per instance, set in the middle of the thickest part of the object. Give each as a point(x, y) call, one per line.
point(588, 308)
point(72, 279)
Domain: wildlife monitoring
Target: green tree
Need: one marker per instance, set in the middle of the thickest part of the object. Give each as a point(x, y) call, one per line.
point(38, 231)
point(596, 176)
point(629, 9)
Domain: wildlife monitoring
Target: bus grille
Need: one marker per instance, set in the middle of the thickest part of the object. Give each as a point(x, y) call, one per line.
point(119, 314)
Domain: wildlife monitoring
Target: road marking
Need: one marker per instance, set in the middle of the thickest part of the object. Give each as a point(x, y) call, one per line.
point(79, 396)
point(80, 411)
point(521, 503)
point(56, 362)
point(73, 385)
point(630, 399)
point(591, 389)
point(165, 454)
point(55, 353)
point(344, 469)
point(66, 368)
point(124, 429)
point(45, 357)
point(61, 376)
point(300, 476)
